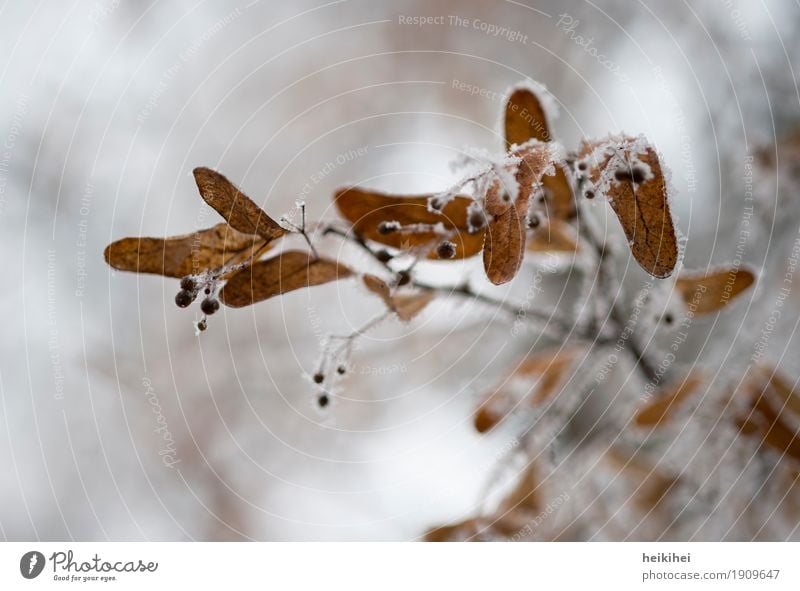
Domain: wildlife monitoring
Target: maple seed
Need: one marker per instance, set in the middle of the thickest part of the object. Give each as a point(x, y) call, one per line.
point(383, 256)
point(188, 284)
point(388, 227)
point(403, 278)
point(341, 370)
point(446, 250)
point(209, 306)
point(323, 400)
point(184, 298)
point(318, 378)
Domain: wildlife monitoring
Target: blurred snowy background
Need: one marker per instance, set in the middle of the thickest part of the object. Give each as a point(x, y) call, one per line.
point(118, 423)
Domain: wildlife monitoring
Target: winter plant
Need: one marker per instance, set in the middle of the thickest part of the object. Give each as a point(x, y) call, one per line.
point(538, 200)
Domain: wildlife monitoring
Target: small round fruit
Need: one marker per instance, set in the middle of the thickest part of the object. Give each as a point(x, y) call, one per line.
point(446, 250)
point(323, 400)
point(184, 298)
point(318, 378)
point(209, 306)
point(188, 284)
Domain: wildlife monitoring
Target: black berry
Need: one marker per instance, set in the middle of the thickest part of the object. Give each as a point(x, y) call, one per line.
point(589, 194)
point(341, 370)
point(318, 377)
point(184, 298)
point(446, 250)
point(383, 256)
point(323, 400)
point(534, 221)
point(388, 227)
point(668, 319)
point(638, 174)
point(188, 284)
point(202, 325)
point(209, 306)
point(477, 220)
point(403, 278)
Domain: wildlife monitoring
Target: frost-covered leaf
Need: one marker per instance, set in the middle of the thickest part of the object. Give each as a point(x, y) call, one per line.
point(668, 401)
point(237, 208)
point(504, 247)
point(179, 256)
point(704, 293)
point(543, 374)
point(286, 272)
point(629, 173)
point(771, 415)
point(526, 117)
point(367, 210)
point(649, 484)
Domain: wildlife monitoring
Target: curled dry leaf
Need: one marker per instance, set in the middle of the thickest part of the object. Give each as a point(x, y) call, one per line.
point(504, 247)
point(546, 373)
point(526, 119)
point(629, 173)
point(525, 496)
point(367, 209)
point(286, 272)
point(237, 208)
point(405, 306)
point(651, 486)
point(668, 401)
point(706, 293)
point(179, 256)
point(555, 236)
point(772, 411)
point(513, 519)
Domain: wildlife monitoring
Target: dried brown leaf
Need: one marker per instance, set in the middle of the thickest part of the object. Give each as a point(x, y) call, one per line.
point(286, 272)
point(237, 208)
point(366, 209)
point(772, 411)
point(408, 306)
point(547, 371)
point(553, 237)
point(405, 306)
point(525, 495)
point(669, 400)
point(525, 118)
point(504, 247)
point(179, 256)
point(641, 207)
point(652, 485)
point(379, 287)
point(706, 293)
